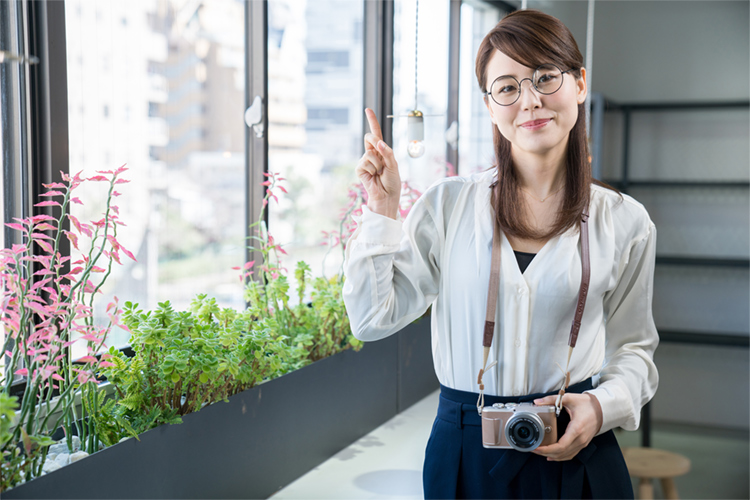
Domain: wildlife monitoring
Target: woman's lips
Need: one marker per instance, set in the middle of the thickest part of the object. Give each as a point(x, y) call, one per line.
point(535, 124)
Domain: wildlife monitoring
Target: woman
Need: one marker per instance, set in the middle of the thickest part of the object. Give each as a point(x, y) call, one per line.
point(530, 69)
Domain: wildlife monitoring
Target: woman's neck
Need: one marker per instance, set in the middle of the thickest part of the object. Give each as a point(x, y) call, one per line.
point(539, 176)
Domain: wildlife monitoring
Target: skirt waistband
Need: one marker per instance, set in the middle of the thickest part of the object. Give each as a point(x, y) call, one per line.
point(460, 407)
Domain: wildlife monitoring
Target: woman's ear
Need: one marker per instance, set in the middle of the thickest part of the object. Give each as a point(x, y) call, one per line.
point(582, 87)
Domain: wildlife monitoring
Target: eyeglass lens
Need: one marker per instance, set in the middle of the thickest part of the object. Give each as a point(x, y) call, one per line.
point(547, 79)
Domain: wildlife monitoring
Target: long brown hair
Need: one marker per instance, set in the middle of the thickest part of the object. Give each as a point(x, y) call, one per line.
point(533, 38)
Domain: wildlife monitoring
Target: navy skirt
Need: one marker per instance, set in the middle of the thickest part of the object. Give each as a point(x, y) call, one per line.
point(458, 466)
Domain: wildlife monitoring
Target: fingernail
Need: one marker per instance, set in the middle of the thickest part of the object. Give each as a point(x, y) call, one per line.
point(381, 146)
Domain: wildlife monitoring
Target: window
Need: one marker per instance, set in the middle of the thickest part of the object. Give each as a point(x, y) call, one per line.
point(14, 129)
point(432, 86)
point(476, 152)
point(320, 118)
point(183, 141)
point(319, 61)
point(313, 141)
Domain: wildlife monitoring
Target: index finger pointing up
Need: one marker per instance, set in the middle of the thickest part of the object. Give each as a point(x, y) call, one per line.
point(373, 121)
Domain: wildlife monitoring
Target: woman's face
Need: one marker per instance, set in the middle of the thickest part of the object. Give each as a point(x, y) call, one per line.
point(536, 125)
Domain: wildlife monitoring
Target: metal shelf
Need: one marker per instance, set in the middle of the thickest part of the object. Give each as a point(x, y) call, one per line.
point(705, 338)
point(673, 106)
point(678, 184)
point(702, 261)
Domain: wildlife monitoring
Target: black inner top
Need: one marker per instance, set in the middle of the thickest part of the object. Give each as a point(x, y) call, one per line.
point(524, 259)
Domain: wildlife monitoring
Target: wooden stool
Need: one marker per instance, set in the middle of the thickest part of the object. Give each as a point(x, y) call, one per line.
point(648, 464)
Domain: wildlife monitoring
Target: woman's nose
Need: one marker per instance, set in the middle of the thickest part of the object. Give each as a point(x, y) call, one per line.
point(530, 98)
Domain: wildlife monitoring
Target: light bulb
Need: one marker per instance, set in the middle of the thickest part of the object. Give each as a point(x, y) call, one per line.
point(415, 149)
point(415, 134)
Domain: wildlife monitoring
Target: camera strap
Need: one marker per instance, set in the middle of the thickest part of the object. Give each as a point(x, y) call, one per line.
point(489, 323)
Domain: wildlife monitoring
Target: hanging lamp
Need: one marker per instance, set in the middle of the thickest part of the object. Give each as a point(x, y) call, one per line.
point(415, 125)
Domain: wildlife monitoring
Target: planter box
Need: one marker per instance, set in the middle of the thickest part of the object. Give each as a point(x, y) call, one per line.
point(265, 437)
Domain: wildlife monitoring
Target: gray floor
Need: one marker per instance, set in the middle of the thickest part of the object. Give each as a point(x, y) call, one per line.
point(387, 463)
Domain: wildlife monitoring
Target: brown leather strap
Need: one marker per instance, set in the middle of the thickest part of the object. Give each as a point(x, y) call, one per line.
point(489, 322)
point(583, 291)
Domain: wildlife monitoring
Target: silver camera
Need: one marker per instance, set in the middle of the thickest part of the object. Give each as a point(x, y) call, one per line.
point(522, 427)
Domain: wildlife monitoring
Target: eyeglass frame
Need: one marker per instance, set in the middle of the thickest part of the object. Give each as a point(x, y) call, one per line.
point(520, 83)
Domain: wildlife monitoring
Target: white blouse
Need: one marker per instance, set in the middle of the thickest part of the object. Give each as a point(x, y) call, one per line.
point(441, 256)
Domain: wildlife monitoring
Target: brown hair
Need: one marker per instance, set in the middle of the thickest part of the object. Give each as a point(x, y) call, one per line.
point(533, 38)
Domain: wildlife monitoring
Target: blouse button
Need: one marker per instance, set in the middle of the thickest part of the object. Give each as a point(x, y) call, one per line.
point(521, 290)
point(516, 393)
point(518, 343)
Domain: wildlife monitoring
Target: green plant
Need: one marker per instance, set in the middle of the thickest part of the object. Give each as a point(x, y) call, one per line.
point(186, 360)
point(47, 306)
point(314, 330)
point(106, 421)
point(17, 461)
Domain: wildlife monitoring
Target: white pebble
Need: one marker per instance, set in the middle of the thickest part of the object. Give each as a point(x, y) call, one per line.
point(77, 456)
point(62, 459)
point(50, 467)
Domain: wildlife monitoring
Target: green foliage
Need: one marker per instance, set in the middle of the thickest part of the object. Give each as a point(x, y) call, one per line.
point(311, 330)
point(185, 360)
point(18, 459)
point(106, 421)
point(321, 328)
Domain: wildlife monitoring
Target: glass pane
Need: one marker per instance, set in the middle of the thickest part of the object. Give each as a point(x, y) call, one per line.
point(475, 151)
point(159, 85)
point(14, 150)
point(431, 95)
point(315, 114)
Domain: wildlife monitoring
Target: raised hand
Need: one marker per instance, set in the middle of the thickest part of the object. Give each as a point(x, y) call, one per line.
point(378, 171)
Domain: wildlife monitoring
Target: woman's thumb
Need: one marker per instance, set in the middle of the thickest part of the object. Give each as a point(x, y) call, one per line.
point(547, 400)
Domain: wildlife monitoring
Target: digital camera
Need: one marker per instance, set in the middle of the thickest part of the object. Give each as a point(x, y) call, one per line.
point(522, 427)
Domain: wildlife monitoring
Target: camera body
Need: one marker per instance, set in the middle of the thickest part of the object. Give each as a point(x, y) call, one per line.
point(521, 427)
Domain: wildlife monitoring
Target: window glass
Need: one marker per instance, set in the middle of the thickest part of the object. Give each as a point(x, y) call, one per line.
point(432, 87)
point(475, 150)
point(315, 114)
point(159, 85)
point(14, 127)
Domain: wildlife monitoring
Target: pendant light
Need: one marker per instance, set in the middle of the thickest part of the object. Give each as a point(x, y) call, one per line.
point(415, 125)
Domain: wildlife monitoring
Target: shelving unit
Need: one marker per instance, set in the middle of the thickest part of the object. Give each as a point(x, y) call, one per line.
point(599, 106)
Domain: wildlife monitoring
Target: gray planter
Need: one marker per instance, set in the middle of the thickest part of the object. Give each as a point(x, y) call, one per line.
point(264, 438)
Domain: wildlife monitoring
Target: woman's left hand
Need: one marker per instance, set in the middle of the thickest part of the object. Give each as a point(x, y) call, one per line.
point(585, 421)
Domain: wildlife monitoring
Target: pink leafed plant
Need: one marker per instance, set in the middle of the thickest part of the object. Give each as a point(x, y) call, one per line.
point(47, 306)
point(357, 197)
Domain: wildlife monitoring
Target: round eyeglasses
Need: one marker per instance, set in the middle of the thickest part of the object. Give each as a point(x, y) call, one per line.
point(547, 79)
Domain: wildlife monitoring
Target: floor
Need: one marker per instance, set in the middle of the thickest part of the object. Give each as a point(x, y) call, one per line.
point(387, 463)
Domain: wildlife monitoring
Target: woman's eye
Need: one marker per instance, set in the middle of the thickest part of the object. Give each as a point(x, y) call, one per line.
point(546, 78)
point(508, 89)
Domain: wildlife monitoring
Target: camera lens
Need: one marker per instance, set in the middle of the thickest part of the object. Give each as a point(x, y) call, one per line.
point(524, 431)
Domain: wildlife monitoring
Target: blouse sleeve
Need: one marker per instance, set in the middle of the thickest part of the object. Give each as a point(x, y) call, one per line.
point(629, 377)
point(392, 271)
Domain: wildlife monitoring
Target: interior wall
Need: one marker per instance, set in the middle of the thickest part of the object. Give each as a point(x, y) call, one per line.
point(683, 51)
point(679, 50)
